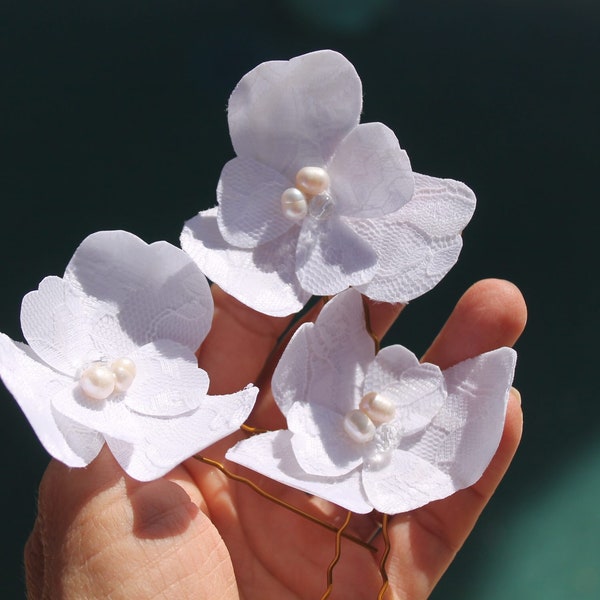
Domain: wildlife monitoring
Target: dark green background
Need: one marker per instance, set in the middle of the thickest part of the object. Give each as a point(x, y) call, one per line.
point(113, 116)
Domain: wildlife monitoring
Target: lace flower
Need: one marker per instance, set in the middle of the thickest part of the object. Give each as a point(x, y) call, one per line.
point(111, 358)
point(315, 202)
point(378, 431)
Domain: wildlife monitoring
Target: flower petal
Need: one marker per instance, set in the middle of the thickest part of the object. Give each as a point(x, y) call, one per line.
point(330, 257)
point(271, 455)
point(410, 262)
point(370, 174)
point(33, 384)
point(249, 195)
point(405, 483)
point(292, 114)
point(418, 390)
point(166, 443)
point(83, 441)
point(263, 279)
point(388, 367)
point(66, 330)
point(324, 362)
point(439, 207)
point(155, 290)
point(459, 443)
point(109, 417)
point(419, 396)
point(168, 381)
point(320, 444)
point(464, 436)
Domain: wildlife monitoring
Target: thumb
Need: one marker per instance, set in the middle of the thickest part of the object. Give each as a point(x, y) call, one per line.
point(101, 534)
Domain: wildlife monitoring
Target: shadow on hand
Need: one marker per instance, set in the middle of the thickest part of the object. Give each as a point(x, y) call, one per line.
point(161, 508)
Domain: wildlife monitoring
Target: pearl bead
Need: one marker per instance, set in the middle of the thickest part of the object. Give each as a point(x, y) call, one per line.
point(359, 427)
point(312, 180)
point(377, 460)
point(293, 204)
point(124, 370)
point(97, 381)
point(378, 407)
point(321, 206)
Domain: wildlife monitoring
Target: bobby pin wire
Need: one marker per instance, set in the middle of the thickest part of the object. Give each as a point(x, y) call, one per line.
point(336, 558)
point(384, 557)
point(274, 499)
point(338, 553)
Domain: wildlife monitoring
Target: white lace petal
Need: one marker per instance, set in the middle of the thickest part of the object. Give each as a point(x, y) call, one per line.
point(155, 290)
point(439, 207)
point(263, 279)
point(330, 257)
point(66, 329)
point(168, 381)
point(325, 361)
point(32, 383)
point(249, 195)
point(464, 436)
point(406, 483)
point(320, 445)
point(271, 455)
point(108, 417)
point(83, 442)
point(409, 262)
point(388, 367)
point(291, 114)
point(417, 390)
point(370, 174)
point(168, 442)
point(419, 395)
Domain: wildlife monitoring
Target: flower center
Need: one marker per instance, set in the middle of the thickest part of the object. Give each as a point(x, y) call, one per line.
point(361, 423)
point(309, 197)
point(101, 379)
point(379, 408)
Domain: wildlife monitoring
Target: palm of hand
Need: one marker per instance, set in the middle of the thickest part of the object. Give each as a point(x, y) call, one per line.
point(198, 534)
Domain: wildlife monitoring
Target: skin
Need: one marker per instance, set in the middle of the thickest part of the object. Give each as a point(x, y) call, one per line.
point(197, 534)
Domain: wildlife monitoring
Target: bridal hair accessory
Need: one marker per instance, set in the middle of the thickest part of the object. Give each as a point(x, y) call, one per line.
point(316, 202)
point(111, 358)
point(378, 431)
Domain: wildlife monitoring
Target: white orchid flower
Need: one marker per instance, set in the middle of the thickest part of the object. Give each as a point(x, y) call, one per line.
point(378, 431)
point(315, 202)
point(111, 358)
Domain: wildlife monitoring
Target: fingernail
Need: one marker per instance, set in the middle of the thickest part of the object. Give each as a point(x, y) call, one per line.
point(515, 392)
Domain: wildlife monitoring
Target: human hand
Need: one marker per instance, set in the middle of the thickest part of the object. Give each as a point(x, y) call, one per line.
point(197, 534)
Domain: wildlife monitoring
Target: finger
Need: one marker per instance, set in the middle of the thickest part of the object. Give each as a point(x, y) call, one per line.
point(99, 532)
point(238, 344)
point(436, 532)
point(491, 314)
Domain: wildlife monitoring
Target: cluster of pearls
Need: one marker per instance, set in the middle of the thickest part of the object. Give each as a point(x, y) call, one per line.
point(309, 197)
point(101, 379)
point(361, 423)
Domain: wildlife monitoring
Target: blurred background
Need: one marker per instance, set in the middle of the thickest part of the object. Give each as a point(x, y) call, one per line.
point(113, 116)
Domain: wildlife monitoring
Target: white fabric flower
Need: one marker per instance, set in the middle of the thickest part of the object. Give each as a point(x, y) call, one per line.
point(378, 431)
point(315, 202)
point(111, 358)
